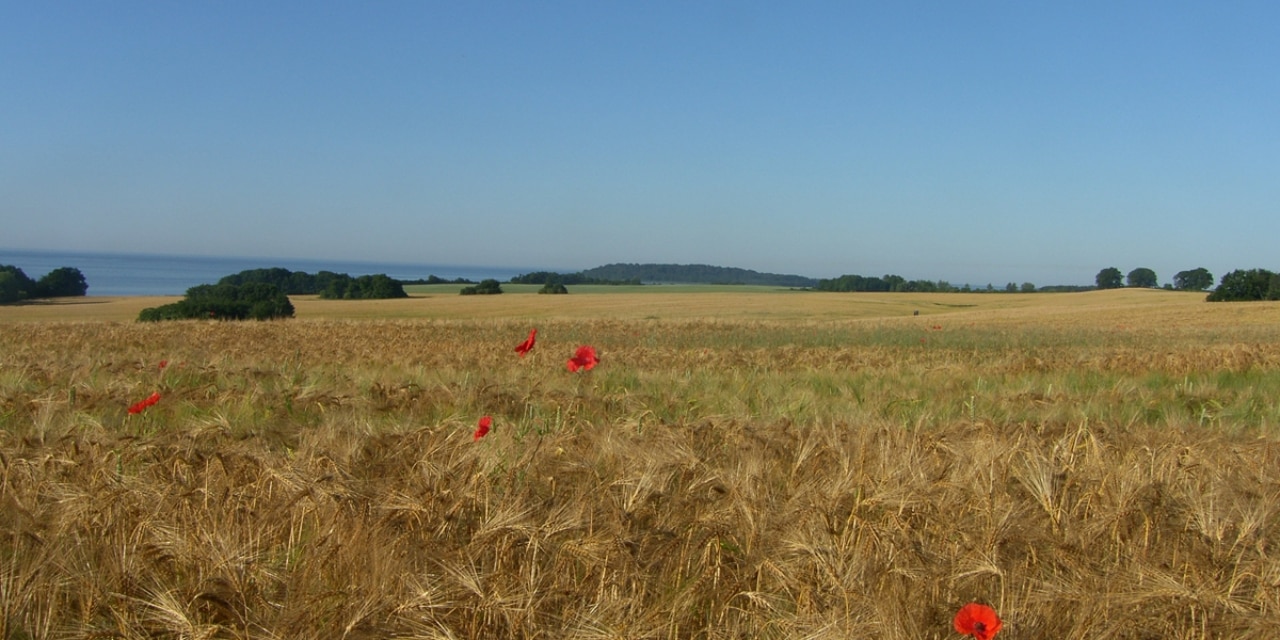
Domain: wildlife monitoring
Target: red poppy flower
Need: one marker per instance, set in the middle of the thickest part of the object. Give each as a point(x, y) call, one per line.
point(977, 620)
point(527, 345)
point(141, 405)
point(584, 359)
point(164, 363)
point(482, 429)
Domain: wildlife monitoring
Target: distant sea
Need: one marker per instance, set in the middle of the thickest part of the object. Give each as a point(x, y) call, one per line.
point(159, 275)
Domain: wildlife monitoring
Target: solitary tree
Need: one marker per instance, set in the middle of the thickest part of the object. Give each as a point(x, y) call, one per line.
point(1142, 277)
point(1197, 279)
point(1110, 278)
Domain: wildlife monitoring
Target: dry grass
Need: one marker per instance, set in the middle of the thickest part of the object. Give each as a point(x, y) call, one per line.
point(661, 302)
point(1101, 466)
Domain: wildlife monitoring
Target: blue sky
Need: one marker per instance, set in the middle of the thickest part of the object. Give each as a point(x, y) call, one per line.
point(967, 141)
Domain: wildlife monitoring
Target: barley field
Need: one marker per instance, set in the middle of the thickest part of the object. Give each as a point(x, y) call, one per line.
point(740, 464)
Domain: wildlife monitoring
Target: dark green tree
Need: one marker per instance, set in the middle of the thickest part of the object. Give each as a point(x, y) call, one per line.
point(265, 301)
point(336, 287)
point(1028, 287)
point(291, 282)
point(374, 287)
point(1142, 277)
point(14, 284)
point(64, 282)
point(10, 288)
point(1110, 278)
point(382, 286)
point(1241, 285)
point(855, 283)
point(553, 287)
point(1197, 279)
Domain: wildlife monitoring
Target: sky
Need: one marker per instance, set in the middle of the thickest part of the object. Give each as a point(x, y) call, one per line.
point(974, 142)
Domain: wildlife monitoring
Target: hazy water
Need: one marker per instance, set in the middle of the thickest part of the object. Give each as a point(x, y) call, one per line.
point(152, 275)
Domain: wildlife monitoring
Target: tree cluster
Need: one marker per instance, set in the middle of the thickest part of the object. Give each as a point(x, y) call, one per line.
point(294, 283)
point(250, 301)
point(850, 282)
point(1197, 279)
point(488, 286)
point(62, 282)
point(1242, 285)
point(893, 283)
point(374, 287)
point(327, 284)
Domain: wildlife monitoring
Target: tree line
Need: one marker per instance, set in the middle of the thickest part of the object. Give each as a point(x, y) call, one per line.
point(1241, 284)
point(434, 279)
point(1197, 279)
point(693, 274)
point(490, 286)
point(263, 294)
point(63, 282)
point(1236, 286)
point(552, 278)
point(890, 283)
point(326, 284)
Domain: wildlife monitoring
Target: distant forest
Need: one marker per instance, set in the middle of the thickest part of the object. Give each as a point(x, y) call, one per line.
point(551, 278)
point(1255, 284)
point(667, 274)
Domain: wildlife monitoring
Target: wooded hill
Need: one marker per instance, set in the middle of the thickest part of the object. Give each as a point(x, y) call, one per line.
point(693, 274)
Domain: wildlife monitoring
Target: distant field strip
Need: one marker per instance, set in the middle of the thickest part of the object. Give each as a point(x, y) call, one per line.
point(671, 302)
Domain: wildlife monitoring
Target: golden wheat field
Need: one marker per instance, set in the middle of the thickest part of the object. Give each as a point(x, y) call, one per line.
point(740, 464)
